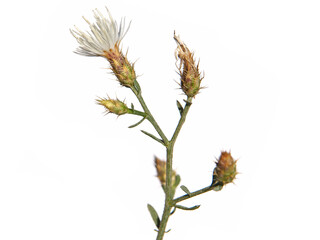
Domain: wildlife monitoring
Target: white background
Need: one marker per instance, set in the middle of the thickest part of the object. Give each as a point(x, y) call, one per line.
point(69, 172)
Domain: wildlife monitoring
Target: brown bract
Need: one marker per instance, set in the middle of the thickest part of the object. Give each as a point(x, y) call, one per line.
point(188, 70)
point(226, 169)
point(161, 171)
point(120, 66)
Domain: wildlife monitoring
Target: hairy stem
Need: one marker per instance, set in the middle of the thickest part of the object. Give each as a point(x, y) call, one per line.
point(169, 191)
point(182, 120)
point(137, 92)
point(193, 194)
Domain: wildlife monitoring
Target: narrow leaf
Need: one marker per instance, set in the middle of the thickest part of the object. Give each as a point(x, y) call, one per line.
point(132, 106)
point(153, 137)
point(173, 211)
point(137, 86)
point(185, 189)
point(177, 181)
point(154, 215)
point(136, 124)
point(180, 108)
point(188, 208)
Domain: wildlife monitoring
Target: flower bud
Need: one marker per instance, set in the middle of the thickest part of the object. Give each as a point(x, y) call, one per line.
point(225, 170)
point(113, 106)
point(190, 76)
point(161, 173)
point(121, 67)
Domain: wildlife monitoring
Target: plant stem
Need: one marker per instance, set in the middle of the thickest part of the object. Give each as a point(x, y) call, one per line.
point(151, 119)
point(169, 202)
point(168, 193)
point(182, 120)
point(138, 113)
point(168, 190)
point(193, 194)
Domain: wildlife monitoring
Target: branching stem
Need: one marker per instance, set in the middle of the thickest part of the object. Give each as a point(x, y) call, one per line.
point(137, 92)
point(193, 194)
point(169, 194)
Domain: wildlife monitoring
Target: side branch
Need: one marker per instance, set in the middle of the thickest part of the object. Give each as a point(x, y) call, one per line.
point(137, 91)
point(193, 194)
point(182, 119)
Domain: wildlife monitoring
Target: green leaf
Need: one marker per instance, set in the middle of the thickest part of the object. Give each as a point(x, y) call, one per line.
point(132, 106)
point(185, 189)
point(136, 124)
point(154, 216)
point(180, 108)
point(177, 181)
point(137, 86)
point(153, 137)
point(187, 208)
point(173, 211)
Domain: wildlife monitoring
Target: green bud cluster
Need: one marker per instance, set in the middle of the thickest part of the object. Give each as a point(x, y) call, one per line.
point(113, 106)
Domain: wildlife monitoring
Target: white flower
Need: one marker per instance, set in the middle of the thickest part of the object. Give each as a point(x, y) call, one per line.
point(104, 35)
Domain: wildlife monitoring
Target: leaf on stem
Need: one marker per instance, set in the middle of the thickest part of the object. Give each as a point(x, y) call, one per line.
point(185, 189)
point(187, 208)
point(154, 215)
point(132, 106)
point(136, 124)
point(173, 211)
point(180, 108)
point(136, 86)
point(177, 181)
point(153, 137)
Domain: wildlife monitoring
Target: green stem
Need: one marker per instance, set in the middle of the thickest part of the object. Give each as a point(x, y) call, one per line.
point(182, 120)
point(168, 193)
point(137, 92)
point(138, 113)
point(193, 194)
point(168, 190)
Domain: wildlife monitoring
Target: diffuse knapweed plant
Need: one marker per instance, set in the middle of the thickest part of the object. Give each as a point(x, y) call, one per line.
point(104, 41)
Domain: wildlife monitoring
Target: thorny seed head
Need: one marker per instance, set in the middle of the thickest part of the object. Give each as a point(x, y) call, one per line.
point(105, 34)
point(225, 170)
point(113, 106)
point(190, 77)
point(121, 67)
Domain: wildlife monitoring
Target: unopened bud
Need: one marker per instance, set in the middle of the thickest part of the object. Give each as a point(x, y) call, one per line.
point(121, 67)
point(225, 171)
point(190, 76)
point(113, 106)
point(161, 173)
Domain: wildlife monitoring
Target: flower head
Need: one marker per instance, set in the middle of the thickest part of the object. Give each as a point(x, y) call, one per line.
point(103, 41)
point(225, 171)
point(113, 106)
point(105, 34)
point(161, 174)
point(188, 70)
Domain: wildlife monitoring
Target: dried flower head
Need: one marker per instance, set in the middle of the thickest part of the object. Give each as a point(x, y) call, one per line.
point(225, 171)
point(104, 41)
point(161, 173)
point(188, 70)
point(113, 106)
point(105, 34)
